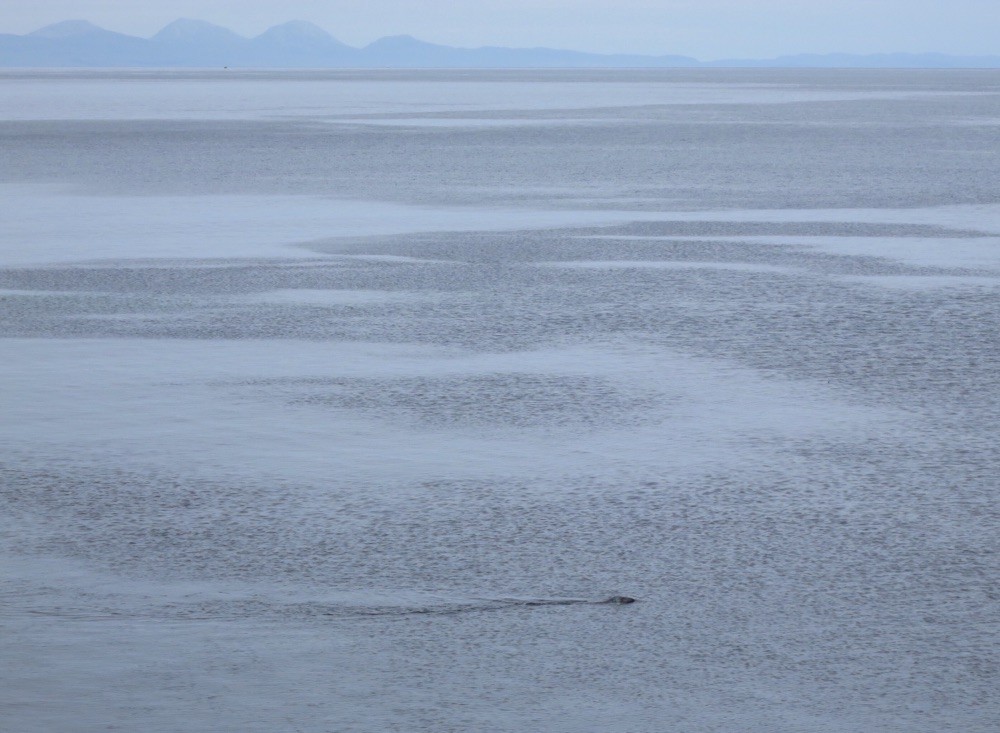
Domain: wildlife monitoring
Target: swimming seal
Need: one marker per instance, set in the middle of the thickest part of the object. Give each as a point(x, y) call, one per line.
point(619, 600)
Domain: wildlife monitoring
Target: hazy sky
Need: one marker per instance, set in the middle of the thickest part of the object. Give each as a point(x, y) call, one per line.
point(706, 29)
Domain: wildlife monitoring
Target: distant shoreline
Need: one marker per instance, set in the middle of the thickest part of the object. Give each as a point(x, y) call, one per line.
point(298, 45)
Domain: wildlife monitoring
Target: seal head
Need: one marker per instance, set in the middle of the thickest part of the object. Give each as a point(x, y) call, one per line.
point(620, 600)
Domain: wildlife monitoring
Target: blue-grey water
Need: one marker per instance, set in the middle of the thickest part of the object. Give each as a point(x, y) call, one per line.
point(332, 401)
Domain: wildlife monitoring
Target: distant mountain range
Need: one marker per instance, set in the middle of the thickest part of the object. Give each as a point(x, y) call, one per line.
point(298, 44)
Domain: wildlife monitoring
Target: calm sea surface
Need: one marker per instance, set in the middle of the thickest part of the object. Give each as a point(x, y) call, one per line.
point(335, 402)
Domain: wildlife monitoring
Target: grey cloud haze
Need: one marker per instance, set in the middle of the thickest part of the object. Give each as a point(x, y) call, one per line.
point(702, 28)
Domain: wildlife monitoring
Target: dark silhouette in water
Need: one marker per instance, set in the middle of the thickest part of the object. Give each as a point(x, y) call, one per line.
point(498, 604)
point(615, 600)
point(620, 600)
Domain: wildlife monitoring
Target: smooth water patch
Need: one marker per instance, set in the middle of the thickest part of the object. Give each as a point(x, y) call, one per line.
point(256, 95)
point(392, 259)
point(925, 282)
point(952, 252)
point(58, 226)
point(303, 410)
point(970, 218)
point(339, 297)
point(666, 265)
point(471, 122)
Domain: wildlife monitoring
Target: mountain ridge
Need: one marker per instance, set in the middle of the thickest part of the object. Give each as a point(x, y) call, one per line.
point(66, 29)
point(188, 29)
point(301, 44)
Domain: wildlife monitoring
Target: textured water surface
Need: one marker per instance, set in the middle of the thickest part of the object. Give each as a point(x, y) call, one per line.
point(340, 401)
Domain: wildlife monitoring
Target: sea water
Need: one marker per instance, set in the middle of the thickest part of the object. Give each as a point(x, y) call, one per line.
point(322, 391)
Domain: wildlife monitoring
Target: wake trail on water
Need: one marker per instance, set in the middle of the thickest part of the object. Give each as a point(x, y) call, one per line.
point(256, 609)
